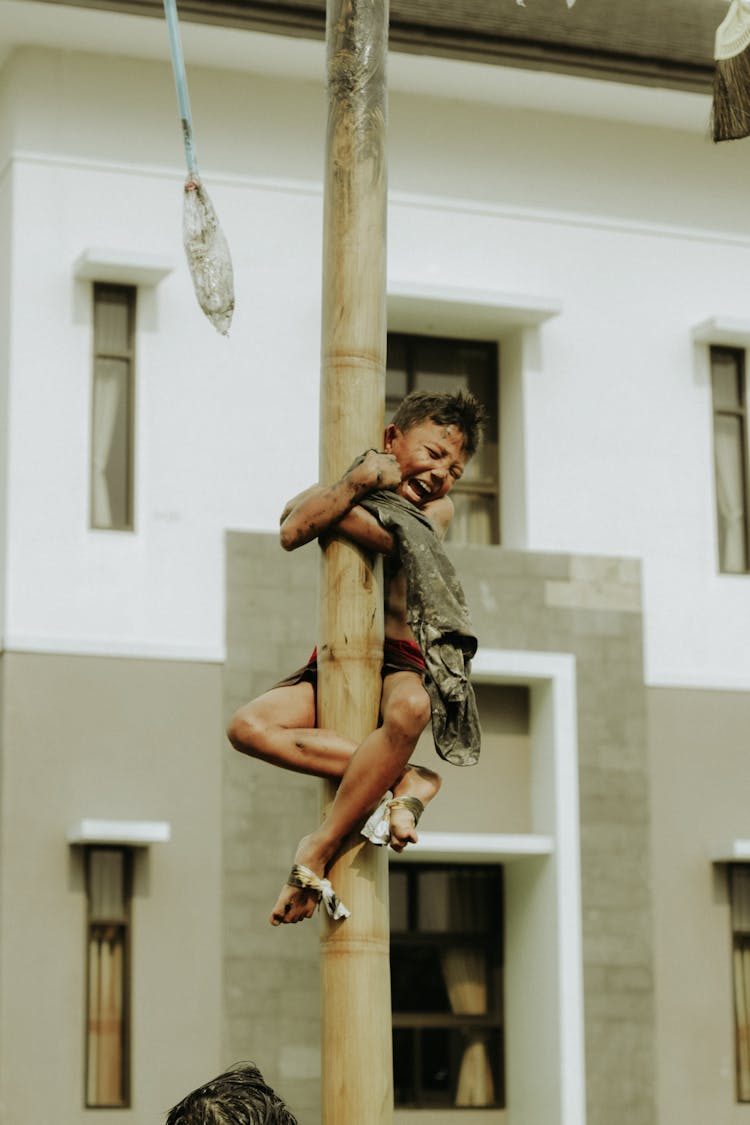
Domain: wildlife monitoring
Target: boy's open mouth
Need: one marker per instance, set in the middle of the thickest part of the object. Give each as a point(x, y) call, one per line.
point(420, 489)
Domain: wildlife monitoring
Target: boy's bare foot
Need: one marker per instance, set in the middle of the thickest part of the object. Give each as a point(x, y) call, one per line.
point(296, 903)
point(415, 782)
point(306, 886)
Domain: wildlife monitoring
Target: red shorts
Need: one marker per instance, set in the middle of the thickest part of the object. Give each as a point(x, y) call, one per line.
point(398, 656)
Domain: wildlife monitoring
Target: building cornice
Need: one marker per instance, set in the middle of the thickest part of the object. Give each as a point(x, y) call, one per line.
point(622, 49)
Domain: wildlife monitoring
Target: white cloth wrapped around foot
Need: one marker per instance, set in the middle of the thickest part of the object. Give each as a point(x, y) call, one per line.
point(303, 877)
point(377, 828)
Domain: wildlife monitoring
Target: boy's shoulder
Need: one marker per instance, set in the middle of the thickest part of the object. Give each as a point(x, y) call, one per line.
point(440, 514)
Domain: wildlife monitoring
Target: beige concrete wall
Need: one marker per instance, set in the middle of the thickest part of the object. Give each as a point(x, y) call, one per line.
point(496, 797)
point(700, 791)
point(6, 258)
point(120, 739)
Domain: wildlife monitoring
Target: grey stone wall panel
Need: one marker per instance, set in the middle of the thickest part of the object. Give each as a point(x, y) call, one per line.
point(586, 606)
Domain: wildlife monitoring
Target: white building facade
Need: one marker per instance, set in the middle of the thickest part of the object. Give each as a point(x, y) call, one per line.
point(590, 231)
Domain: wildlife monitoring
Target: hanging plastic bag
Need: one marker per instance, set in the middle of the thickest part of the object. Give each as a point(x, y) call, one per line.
point(208, 256)
point(206, 248)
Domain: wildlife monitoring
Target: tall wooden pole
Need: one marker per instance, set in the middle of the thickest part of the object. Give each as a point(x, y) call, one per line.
point(355, 976)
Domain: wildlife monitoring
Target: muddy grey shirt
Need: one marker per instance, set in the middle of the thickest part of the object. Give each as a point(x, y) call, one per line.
point(439, 619)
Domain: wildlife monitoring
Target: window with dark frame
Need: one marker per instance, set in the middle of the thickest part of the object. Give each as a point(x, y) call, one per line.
point(112, 417)
point(739, 893)
point(434, 364)
point(729, 388)
point(446, 985)
point(108, 893)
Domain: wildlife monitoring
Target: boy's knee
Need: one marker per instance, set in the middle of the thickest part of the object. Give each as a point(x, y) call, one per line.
point(411, 713)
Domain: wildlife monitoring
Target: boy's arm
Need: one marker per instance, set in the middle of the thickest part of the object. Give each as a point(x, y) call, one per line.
point(366, 531)
point(317, 509)
point(364, 528)
point(296, 500)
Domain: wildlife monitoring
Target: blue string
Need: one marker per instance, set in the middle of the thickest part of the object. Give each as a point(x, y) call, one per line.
point(180, 79)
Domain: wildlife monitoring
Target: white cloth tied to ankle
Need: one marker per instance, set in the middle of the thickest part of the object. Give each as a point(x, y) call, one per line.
point(377, 828)
point(306, 879)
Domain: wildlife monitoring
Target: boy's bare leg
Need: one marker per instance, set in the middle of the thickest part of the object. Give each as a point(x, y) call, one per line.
point(378, 764)
point(279, 727)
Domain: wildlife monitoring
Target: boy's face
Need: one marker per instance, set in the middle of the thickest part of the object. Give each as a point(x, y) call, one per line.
point(432, 458)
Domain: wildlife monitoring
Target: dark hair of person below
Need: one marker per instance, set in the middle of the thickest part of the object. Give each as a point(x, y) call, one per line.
point(239, 1096)
point(447, 408)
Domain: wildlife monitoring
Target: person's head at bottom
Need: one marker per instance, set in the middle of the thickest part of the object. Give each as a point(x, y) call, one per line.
point(239, 1096)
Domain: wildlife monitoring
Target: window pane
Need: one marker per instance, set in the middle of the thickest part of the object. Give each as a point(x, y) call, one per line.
point(446, 988)
point(428, 363)
point(467, 978)
point(417, 980)
point(433, 910)
point(740, 884)
point(105, 1085)
point(396, 378)
point(483, 465)
point(456, 360)
point(729, 460)
point(106, 885)
point(435, 1066)
point(458, 900)
point(480, 1071)
point(739, 890)
point(398, 896)
point(111, 321)
point(107, 891)
point(448, 1067)
point(112, 409)
point(473, 519)
point(742, 1015)
point(404, 1065)
point(726, 379)
point(111, 472)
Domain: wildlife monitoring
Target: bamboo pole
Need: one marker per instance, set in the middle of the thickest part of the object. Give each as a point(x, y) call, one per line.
point(357, 1086)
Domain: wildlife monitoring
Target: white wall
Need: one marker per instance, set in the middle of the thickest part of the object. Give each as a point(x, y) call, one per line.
point(618, 222)
point(618, 410)
point(221, 440)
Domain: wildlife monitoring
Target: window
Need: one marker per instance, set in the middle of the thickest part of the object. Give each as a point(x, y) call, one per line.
point(428, 364)
point(446, 957)
point(112, 436)
point(108, 888)
point(739, 888)
point(730, 458)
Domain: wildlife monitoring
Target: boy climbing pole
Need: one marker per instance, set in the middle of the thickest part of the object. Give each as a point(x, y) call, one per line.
point(396, 503)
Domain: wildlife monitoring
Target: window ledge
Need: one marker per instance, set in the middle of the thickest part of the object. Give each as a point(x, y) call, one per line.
point(465, 312)
point(136, 833)
point(731, 851)
point(121, 267)
point(476, 847)
point(723, 330)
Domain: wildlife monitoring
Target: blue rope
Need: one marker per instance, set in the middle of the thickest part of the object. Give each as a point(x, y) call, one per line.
point(180, 79)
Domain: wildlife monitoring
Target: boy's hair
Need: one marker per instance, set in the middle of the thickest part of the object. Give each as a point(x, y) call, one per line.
point(447, 408)
point(239, 1096)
